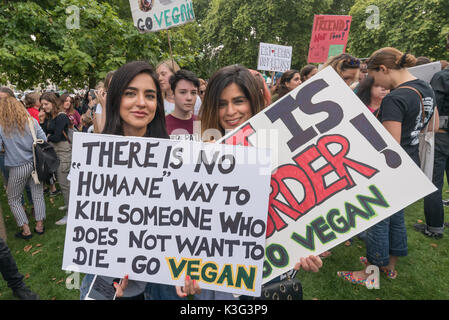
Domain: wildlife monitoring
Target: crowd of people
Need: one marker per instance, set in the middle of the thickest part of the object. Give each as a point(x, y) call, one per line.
point(166, 102)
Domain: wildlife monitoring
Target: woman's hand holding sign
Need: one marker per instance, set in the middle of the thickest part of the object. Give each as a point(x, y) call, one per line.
point(311, 263)
point(190, 287)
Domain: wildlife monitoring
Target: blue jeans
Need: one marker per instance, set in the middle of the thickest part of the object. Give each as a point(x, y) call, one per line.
point(433, 203)
point(388, 237)
point(157, 291)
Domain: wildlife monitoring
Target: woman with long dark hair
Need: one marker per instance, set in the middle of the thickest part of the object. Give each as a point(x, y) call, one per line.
point(56, 126)
point(232, 97)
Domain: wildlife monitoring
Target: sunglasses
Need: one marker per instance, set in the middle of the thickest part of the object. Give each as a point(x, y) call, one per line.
point(353, 62)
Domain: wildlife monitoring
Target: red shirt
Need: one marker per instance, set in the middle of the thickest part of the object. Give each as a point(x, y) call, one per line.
point(173, 123)
point(34, 113)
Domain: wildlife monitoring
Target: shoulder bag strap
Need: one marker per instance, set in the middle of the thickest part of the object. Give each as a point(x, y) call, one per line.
point(33, 133)
point(420, 98)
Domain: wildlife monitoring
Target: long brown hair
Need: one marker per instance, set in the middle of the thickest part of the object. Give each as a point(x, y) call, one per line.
point(13, 116)
point(55, 101)
point(391, 58)
point(218, 82)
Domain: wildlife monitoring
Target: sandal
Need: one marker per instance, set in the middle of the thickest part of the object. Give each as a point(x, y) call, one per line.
point(391, 274)
point(23, 236)
point(41, 232)
point(349, 276)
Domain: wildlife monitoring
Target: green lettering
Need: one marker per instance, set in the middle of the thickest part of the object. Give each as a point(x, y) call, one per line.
point(159, 21)
point(344, 225)
point(167, 22)
point(248, 278)
point(320, 226)
point(226, 274)
point(174, 17)
point(308, 242)
point(209, 276)
point(176, 269)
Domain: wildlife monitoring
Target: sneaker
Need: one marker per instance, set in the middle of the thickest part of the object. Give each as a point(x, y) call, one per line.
point(423, 229)
point(63, 208)
point(62, 222)
point(23, 293)
point(446, 203)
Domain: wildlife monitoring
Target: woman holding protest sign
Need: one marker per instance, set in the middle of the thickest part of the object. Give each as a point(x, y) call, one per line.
point(404, 113)
point(135, 108)
point(17, 141)
point(232, 97)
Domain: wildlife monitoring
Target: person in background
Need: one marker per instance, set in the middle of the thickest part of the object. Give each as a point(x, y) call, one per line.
point(347, 67)
point(56, 126)
point(68, 106)
point(290, 80)
point(165, 69)
point(422, 60)
point(11, 274)
point(203, 85)
point(371, 94)
point(17, 142)
point(401, 113)
point(185, 86)
point(433, 203)
point(33, 104)
point(262, 86)
point(308, 72)
point(99, 116)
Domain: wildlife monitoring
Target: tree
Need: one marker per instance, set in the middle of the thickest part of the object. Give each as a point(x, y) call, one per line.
point(416, 26)
point(74, 43)
point(234, 28)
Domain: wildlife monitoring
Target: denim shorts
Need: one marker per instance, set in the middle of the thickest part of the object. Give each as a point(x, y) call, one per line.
point(388, 237)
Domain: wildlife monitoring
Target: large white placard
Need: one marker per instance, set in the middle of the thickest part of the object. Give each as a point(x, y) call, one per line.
point(155, 15)
point(336, 170)
point(273, 57)
point(159, 210)
point(426, 71)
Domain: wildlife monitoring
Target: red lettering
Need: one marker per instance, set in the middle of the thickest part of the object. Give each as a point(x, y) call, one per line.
point(294, 209)
point(322, 192)
point(241, 136)
point(339, 160)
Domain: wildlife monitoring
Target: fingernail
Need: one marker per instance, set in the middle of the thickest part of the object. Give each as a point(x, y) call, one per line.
point(193, 282)
point(126, 277)
point(115, 283)
point(187, 277)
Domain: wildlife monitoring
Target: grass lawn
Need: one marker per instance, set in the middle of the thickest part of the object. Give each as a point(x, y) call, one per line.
point(423, 274)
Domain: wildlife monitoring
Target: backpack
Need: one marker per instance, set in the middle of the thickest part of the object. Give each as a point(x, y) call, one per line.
point(46, 162)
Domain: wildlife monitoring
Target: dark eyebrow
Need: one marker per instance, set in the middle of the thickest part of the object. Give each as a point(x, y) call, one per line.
point(135, 89)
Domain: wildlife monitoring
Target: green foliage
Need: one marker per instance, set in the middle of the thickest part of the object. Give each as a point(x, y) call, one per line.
point(417, 26)
point(79, 56)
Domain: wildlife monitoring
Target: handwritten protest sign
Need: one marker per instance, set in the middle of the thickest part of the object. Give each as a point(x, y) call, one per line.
point(159, 210)
point(153, 15)
point(273, 57)
point(336, 170)
point(329, 37)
